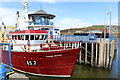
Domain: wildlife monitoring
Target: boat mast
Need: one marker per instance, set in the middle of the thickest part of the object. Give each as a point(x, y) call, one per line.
point(25, 3)
point(17, 20)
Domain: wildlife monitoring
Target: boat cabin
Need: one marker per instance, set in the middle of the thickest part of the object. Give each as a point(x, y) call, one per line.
point(41, 20)
point(29, 35)
point(34, 37)
point(40, 28)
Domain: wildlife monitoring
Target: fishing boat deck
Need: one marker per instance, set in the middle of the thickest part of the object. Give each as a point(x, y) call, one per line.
point(39, 50)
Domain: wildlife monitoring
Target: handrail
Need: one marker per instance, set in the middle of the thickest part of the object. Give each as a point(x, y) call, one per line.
point(73, 38)
point(111, 38)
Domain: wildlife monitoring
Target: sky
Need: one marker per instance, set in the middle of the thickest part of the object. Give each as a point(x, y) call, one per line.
point(72, 14)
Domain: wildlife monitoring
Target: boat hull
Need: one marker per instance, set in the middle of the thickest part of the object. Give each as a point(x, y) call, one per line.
point(53, 63)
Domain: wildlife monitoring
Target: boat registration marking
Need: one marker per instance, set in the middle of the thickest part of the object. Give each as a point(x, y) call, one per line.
point(31, 63)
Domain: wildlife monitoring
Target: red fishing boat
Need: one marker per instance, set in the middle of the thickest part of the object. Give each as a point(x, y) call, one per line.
point(34, 51)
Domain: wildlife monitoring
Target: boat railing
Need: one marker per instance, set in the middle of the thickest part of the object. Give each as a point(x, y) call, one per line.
point(74, 38)
point(46, 46)
point(110, 38)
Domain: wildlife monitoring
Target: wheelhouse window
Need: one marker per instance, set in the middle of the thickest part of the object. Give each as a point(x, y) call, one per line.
point(37, 20)
point(26, 37)
point(45, 36)
point(42, 37)
point(13, 36)
point(29, 37)
point(32, 37)
point(37, 37)
point(19, 37)
point(22, 37)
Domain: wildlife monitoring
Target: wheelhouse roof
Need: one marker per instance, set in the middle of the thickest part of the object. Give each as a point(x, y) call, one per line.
point(29, 32)
point(43, 14)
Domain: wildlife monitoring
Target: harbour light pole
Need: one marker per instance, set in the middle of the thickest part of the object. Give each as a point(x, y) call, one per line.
point(104, 23)
point(110, 21)
point(106, 13)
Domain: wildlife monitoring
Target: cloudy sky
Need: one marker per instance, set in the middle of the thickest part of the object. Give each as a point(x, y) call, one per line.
point(72, 14)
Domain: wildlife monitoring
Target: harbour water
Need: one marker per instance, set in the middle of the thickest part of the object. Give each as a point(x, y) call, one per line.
point(86, 71)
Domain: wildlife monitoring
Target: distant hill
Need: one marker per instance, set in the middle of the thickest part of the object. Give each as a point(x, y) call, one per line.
point(71, 31)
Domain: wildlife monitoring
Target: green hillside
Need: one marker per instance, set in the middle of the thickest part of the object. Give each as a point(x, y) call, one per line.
point(85, 29)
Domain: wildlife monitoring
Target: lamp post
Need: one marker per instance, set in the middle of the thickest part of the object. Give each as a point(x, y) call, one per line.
point(104, 23)
point(105, 14)
point(110, 21)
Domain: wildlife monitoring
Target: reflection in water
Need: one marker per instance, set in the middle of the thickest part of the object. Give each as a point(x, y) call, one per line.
point(86, 71)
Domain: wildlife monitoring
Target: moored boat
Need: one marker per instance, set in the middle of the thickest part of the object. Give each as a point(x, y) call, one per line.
point(34, 51)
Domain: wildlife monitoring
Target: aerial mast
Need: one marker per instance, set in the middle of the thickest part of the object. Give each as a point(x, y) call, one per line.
point(17, 20)
point(25, 3)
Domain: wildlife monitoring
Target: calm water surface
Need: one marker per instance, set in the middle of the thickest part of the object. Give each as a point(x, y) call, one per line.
point(86, 71)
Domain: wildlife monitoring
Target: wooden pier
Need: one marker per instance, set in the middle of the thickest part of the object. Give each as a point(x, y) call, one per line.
point(98, 52)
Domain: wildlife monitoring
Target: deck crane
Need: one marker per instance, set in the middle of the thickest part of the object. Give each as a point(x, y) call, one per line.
point(3, 32)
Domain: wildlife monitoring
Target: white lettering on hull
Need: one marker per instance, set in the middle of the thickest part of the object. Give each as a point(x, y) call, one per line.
point(54, 56)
